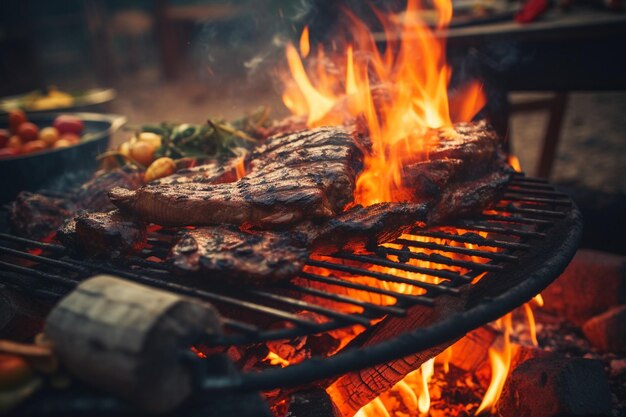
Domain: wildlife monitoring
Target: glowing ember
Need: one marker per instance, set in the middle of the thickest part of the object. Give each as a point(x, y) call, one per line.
point(402, 93)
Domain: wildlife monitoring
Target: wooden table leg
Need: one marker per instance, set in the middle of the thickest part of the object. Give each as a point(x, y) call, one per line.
point(553, 132)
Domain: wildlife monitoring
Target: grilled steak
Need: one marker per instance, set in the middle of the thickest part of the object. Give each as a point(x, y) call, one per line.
point(227, 253)
point(38, 215)
point(110, 235)
point(361, 229)
point(309, 174)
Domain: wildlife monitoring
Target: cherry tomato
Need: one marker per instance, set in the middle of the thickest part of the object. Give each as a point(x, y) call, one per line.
point(4, 137)
point(8, 152)
point(13, 371)
point(68, 124)
point(71, 137)
point(142, 152)
point(34, 146)
point(28, 131)
point(16, 118)
point(15, 142)
point(62, 143)
point(49, 135)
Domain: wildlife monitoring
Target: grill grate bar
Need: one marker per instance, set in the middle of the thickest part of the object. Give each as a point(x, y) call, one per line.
point(42, 259)
point(350, 318)
point(34, 243)
point(511, 208)
point(16, 280)
point(444, 260)
point(498, 229)
point(499, 256)
point(473, 238)
point(530, 185)
point(543, 192)
point(241, 326)
point(384, 277)
point(440, 273)
point(211, 296)
point(521, 177)
point(527, 199)
point(514, 219)
point(349, 300)
point(57, 279)
point(348, 284)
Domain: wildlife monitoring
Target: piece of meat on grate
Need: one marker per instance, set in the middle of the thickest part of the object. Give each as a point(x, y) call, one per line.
point(108, 235)
point(309, 174)
point(225, 253)
point(35, 215)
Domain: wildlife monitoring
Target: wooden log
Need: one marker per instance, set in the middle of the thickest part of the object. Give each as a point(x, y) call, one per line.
point(592, 283)
point(352, 391)
point(471, 353)
point(128, 339)
point(549, 387)
point(607, 332)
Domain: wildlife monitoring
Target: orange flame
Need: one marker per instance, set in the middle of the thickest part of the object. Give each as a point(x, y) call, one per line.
point(500, 359)
point(402, 93)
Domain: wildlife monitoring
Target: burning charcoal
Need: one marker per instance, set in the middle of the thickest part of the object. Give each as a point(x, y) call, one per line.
point(607, 332)
point(313, 403)
point(592, 283)
point(128, 339)
point(550, 387)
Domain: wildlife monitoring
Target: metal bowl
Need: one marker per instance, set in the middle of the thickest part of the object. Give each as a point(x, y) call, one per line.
point(91, 100)
point(34, 171)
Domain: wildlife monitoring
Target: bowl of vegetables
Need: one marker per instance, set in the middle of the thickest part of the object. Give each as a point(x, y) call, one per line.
point(35, 149)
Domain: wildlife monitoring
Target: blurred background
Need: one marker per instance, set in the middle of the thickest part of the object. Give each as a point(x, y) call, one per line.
point(554, 77)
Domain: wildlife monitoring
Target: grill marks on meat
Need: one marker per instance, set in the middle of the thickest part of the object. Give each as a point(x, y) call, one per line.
point(308, 174)
point(257, 257)
point(361, 229)
point(109, 235)
point(227, 253)
point(36, 215)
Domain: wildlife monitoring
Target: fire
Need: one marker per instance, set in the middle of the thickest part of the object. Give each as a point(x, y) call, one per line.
point(500, 359)
point(402, 93)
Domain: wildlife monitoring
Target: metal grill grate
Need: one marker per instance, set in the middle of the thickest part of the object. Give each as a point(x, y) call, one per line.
point(321, 298)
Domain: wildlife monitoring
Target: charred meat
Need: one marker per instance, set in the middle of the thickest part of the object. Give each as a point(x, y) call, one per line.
point(109, 235)
point(309, 174)
point(361, 229)
point(227, 253)
point(38, 215)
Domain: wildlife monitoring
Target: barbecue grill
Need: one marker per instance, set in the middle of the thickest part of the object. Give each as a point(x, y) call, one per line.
point(524, 242)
